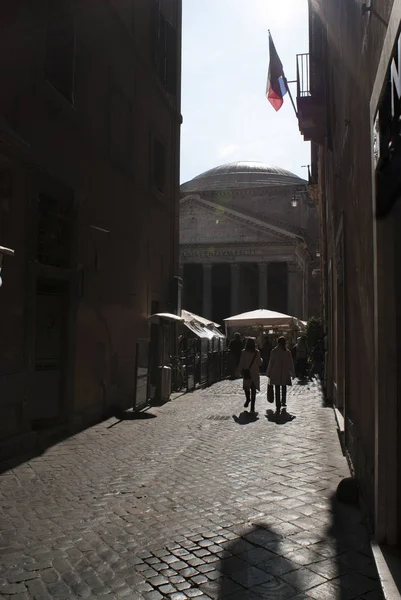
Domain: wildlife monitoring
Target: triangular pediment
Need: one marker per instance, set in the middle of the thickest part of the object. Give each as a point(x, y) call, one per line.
point(203, 222)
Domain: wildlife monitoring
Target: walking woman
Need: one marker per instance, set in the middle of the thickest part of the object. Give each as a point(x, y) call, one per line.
point(280, 371)
point(249, 367)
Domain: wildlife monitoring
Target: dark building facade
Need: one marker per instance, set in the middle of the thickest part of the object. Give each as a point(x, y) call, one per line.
point(89, 159)
point(248, 239)
point(350, 109)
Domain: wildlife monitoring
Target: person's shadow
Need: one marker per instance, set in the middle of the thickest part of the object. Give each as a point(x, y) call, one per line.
point(246, 417)
point(279, 418)
point(253, 567)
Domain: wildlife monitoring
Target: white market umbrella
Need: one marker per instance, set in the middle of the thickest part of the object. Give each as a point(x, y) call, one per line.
point(264, 317)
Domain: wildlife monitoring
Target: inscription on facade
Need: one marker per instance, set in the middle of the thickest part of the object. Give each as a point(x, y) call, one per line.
point(210, 252)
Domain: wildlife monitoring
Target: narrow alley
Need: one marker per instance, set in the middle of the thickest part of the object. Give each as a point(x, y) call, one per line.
point(192, 500)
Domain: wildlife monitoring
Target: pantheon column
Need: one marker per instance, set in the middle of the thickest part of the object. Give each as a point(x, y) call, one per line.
point(262, 268)
point(295, 291)
point(207, 291)
point(235, 289)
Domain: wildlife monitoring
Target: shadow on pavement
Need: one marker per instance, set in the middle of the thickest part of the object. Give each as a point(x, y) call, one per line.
point(129, 415)
point(357, 574)
point(279, 418)
point(245, 418)
point(254, 567)
point(43, 438)
point(334, 563)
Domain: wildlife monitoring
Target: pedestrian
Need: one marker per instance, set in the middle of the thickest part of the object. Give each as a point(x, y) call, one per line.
point(265, 352)
point(317, 360)
point(249, 365)
point(302, 353)
point(280, 370)
point(235, 348)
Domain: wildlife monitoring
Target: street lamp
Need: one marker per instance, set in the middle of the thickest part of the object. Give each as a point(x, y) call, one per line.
point(294, 201)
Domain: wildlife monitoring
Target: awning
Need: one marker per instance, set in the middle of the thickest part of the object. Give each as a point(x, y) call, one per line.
point(199, 330)
point(157, 317)
point(188, 316)
point(216, 332)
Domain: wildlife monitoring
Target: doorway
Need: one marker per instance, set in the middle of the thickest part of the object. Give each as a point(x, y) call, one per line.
point(50, 335)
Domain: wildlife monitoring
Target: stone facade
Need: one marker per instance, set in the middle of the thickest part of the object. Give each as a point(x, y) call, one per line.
point(248, 248)
point(89, 157)
point(357, 90)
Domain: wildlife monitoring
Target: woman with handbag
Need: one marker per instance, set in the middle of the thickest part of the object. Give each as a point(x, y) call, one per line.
point(249, 365)
point(280, 370)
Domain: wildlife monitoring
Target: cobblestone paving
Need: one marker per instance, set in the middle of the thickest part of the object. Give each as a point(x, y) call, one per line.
point(193, 503)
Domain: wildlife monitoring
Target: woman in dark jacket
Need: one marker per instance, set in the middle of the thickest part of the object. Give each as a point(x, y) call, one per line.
point(280, 371)
point(250, 365)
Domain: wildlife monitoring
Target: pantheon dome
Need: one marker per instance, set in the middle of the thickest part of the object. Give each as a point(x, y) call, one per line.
point(241, 175)
point(248, 240)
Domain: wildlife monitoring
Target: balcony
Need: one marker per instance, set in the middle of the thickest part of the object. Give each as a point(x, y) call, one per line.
point(310, 104)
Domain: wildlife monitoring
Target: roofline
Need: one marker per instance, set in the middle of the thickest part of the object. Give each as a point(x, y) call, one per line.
point(246, 190)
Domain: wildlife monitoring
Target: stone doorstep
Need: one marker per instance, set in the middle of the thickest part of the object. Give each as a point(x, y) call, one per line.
point(388, 564)
point(340, 420)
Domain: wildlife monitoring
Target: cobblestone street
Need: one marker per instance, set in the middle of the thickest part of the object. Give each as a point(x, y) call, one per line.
point(192, 503)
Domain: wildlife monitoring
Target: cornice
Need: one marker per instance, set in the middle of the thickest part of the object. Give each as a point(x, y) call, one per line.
point(253, 191)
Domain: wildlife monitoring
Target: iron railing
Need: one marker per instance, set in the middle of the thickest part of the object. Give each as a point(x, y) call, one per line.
point(303, 76)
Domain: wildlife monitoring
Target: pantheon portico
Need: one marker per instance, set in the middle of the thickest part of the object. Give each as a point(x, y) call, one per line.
point(248, 240)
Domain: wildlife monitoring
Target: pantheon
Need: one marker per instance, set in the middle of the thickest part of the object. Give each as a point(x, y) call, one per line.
point(248, 239)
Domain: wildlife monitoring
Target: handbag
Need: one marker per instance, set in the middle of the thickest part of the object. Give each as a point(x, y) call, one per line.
point(246, 373)
point(270, 393)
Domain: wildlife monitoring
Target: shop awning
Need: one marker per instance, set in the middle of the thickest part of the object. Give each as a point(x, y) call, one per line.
point(199, 330)
point(188, 316)
point(157, 317)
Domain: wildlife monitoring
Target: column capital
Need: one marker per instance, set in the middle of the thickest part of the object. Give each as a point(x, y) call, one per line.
point(262, 266)
point(207, 266)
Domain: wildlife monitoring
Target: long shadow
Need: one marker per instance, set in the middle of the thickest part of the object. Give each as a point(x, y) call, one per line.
point(41, 439)
point(253, 567)
point(279, 418)
point(336, 564)
point(129, 415)
point(357, 574)
point(245, 418)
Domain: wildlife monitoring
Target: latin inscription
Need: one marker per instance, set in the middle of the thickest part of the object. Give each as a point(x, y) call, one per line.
point(218, 252)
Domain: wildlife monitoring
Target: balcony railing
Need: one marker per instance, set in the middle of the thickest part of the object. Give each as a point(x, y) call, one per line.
point(310, 104)
point(303, 76)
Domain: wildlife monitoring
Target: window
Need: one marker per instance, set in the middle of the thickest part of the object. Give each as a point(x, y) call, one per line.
point(55, 229)
point(121, 129)
point(159, 165)
point(60, 48)
point(164, 49)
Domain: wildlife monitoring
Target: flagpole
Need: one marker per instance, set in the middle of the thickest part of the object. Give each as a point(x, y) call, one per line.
point(290, 95)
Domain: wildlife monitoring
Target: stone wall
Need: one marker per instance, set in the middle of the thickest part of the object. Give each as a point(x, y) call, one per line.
point(354, 43)
point(99, 149)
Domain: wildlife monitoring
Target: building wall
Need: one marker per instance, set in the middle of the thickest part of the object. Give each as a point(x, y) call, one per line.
point(100, 149)
point(352, 48)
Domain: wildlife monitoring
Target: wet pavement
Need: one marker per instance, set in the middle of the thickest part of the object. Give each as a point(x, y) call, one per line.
point(196, 499)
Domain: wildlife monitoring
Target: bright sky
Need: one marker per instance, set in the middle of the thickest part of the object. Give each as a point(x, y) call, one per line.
point(224, 71)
